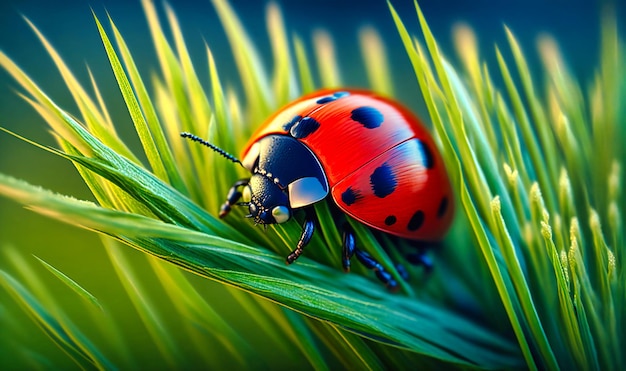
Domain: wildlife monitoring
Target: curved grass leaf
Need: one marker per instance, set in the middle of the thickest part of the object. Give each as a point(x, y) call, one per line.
point(307, 288)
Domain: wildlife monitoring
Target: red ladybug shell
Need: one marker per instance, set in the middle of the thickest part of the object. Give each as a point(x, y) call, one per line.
point(382, 165)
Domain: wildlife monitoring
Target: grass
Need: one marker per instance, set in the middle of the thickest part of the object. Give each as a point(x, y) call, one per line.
point(536, 167)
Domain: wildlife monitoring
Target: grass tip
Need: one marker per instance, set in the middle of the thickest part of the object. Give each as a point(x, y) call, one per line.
point(574, 229)
point(594, 220)
point(614, 214)
point(564, 264)
point(611, 264)
point(614, 179)
point(535, 194)
point(546, 215)
point(546, 230)
point(496, 205)
point(511, 175)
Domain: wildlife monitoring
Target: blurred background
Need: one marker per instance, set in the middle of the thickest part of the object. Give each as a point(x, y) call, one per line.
point(69, 26)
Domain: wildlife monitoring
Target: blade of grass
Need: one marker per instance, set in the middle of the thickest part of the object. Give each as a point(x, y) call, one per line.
point(310, 289)
point(72, 284)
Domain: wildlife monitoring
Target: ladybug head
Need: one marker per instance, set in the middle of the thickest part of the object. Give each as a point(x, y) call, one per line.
point(267, 202)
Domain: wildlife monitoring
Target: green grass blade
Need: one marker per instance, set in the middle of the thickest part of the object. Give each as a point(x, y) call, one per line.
point(310, 289)
point(376, 64)
point(326, 61)
point(153, 130)
point(56, 326)
point(200, 313)
point(72, 284)
point(253, 76)
point(304, 67)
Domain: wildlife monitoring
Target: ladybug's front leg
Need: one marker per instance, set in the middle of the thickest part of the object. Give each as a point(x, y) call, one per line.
point(233, 196)
point(349, 249)
point(307, 232)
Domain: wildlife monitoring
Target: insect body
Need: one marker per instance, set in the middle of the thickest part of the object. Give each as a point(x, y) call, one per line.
point(371, 156)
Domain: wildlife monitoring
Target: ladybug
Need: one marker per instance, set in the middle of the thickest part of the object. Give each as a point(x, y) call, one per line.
point(371, 156)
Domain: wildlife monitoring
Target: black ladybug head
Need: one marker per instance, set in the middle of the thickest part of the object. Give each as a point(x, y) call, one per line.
point(267, 202)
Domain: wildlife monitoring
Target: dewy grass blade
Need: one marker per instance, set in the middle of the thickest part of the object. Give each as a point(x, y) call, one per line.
point(136, 114)
point(154, 129)
point(311, 289)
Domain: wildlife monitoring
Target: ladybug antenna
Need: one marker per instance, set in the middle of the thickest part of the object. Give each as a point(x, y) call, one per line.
point(217, 149)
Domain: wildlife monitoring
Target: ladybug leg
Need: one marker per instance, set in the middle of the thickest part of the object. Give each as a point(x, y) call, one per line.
point(233, 196)
point(307, 232)
point(349, 248)
point(421, 257)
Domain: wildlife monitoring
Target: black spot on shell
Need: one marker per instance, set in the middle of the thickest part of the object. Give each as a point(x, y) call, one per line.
point(383, 181)
point(291, 123)
point(350, 196)
point(443, 206)
point(369, 117)
point(305, 127)
point(390, 220)
point(341, 94)
point(416, 221)
point(427, 155)
point(325, 100)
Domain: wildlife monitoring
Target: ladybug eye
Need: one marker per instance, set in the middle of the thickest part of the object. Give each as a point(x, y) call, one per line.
point(246, 194)
point(253, 209)
point(281, 214)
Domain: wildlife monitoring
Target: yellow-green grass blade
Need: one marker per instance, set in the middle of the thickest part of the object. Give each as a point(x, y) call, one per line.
point(374, 55)
point(567, 310)
point(45, 311)
point(354, 351)
point(522, 290)
point(304, 66)
point(528, 135)
point(545, 138)
point(465, 198)
point(174, 107)
point(283, 85)
point(93, 118)
point(311, 289)
point(294, 328)
point(203, 317)
point(253, 76)
point(330, 76)
point(144, 305)
point(136, 114)
point(223, 134)
point(156, 147)
point(46, 321)
point(72, 284)
point(482, 90)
